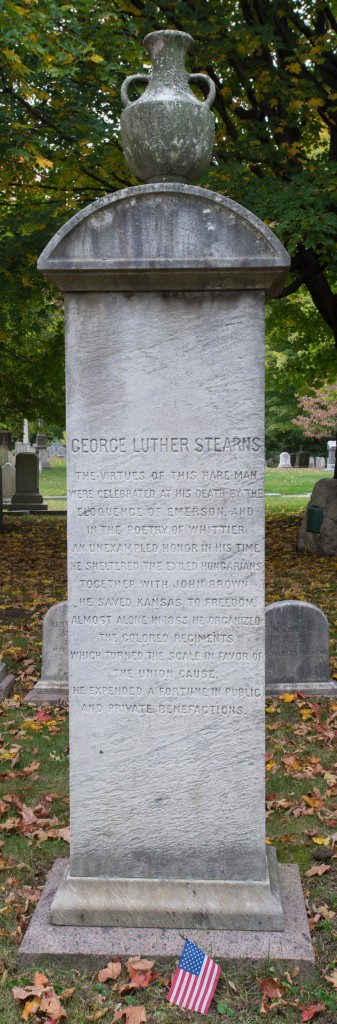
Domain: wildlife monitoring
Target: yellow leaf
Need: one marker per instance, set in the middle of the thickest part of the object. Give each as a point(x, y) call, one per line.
point(321, 841)
point(30, 1008)
point(315, 102)
point(269, 842)
point(96, 57)
point(295, 68)
point(287, 697)
point(270, 765)
point(43, 162)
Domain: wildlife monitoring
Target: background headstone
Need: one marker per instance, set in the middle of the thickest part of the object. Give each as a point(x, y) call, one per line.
point(53, 685)
point(297, 649)
point(311, 462)
point(27, 496)
point(25, 437)
point(284, 462)
point(8, 482)
point(331, 446)
point(3, 455)
point(6, 681)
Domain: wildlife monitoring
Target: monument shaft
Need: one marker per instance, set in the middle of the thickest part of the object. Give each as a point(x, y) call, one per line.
point(166, 595)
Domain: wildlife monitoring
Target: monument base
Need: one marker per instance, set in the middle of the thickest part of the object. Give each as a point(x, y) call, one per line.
point(171, 903)
point(91, 948)
point(320, 689)
point(48, 692)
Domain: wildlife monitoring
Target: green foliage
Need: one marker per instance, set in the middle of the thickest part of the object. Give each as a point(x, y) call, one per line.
point(275, 69)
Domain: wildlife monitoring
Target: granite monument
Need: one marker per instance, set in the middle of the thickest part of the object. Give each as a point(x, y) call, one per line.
point(165, 288)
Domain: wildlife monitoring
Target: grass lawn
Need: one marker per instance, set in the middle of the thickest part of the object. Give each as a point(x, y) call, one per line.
point(301, 768)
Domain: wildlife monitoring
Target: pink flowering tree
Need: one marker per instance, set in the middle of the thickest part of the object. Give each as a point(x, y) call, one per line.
point(319, 416)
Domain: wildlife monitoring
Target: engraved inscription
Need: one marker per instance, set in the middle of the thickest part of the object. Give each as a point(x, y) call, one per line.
point(166, 566)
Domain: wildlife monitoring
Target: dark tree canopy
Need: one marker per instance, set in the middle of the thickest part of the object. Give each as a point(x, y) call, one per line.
point(274, 63)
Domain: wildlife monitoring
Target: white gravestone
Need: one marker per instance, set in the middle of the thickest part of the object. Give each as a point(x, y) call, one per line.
point(311, 462)
point(8, 482)
point(284, 462)
point(53, 685)
point(165, 446)
point(331, 446)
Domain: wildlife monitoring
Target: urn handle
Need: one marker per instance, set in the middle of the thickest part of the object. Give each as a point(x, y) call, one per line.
point(124, 89)
point(205, 78)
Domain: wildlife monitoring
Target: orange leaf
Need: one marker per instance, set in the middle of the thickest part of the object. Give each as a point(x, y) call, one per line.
point(310, 1010)
point(51, 1004)
point(132, 1014)
point(271, 987)
point(140, 972)
point(112, 970)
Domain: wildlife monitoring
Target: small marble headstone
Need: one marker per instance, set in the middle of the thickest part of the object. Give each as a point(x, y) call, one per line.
point(53, 685)
point(284, 462)
point(27, 496)
point(297, 649)
point(311, 462)
point(8, 482)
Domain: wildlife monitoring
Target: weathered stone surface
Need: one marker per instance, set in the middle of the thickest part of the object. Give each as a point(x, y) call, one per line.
point(168, 133)
point(3, 455)
point(161, 238)
point(27, 495)
point(91, 948)
point(297, 649)
point(53, 685)
point(324, 496)
point(165, 547)
point(8, 481)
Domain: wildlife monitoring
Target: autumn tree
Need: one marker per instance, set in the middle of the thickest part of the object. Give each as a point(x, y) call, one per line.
point(319, 417)
point(274, 64)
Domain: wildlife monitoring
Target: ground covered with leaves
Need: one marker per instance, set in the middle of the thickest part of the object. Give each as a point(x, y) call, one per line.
point(301, 768)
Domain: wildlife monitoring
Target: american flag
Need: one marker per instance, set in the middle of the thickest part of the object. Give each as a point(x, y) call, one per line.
point(195, 979)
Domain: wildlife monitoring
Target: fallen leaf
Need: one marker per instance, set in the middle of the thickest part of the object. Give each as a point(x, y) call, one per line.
point(140, 972)
point(310, 1010)
point(332, 978)
point(30, 1008)
point(317, 869)
point(132, 1014)
point(271, 987)
point(112, 970)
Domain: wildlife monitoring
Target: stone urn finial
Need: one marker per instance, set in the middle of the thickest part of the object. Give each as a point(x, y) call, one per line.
point(167, 134)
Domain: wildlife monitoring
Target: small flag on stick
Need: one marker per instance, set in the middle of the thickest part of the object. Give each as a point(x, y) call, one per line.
point(195, 979)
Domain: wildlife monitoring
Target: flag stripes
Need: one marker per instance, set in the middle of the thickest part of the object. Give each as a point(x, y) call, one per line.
point(194, 991)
